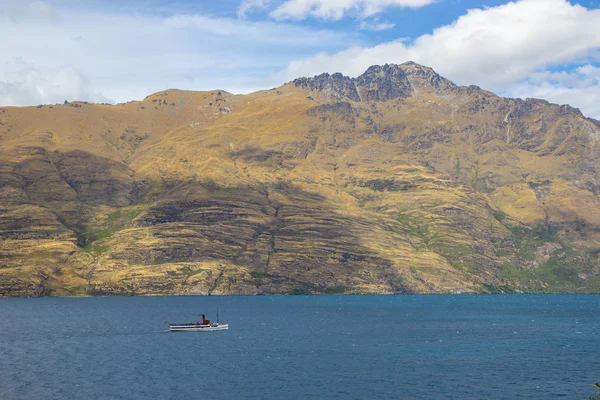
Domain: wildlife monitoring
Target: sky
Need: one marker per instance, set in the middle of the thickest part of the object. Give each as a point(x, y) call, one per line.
point(117, 51)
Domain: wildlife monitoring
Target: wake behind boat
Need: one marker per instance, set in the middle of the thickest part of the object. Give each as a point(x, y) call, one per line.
point(205, 326)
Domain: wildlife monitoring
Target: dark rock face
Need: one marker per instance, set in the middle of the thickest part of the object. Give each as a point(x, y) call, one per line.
point(382, 83)
point(529, 106)
point(336, 85)
point(379, 83)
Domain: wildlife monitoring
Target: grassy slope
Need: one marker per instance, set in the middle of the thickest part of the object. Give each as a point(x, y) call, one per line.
point(205, 192)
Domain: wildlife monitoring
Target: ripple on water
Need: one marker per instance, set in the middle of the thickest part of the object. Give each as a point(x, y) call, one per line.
point(414, 347)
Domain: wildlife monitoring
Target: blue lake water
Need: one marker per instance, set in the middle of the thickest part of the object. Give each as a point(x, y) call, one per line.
point(288, 347)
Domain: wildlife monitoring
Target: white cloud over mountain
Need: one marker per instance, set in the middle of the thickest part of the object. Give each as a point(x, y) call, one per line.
point(59, 50)
point(496, 48)
point(580, 87)
point(27, 84)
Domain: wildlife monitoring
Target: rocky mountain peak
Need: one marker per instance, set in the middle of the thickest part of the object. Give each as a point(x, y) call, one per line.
point(422, 77)
point(379, 83)
point(382, 83)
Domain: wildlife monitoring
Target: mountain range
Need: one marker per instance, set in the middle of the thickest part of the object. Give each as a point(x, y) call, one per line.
point(397, 181)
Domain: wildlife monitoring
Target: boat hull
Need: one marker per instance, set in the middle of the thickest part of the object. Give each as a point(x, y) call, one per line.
point(198, 328)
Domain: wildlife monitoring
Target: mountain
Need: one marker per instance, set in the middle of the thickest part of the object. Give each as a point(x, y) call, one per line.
point(397, 181)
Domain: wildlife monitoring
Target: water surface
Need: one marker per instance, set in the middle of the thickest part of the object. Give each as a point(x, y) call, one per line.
point(396, 347)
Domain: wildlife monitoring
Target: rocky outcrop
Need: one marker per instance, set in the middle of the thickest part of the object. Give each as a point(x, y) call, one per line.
point(379, 83)
point(336, 86)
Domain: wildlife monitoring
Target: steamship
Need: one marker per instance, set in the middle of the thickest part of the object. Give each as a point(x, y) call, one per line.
point(205, 326)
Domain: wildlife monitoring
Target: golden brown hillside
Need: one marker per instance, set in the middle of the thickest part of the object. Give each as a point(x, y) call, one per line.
point(394, 182)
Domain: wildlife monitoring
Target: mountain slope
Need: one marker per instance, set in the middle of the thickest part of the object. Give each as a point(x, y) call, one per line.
point(397, 181)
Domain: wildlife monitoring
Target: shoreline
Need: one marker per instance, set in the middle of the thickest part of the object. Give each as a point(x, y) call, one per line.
point(318, 295)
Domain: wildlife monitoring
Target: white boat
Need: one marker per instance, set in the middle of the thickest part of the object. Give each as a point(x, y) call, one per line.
point(204, 326)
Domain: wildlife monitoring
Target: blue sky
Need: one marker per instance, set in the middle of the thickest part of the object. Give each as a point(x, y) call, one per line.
point(117, 51)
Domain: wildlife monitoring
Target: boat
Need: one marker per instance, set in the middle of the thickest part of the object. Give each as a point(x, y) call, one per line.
point(205, 326)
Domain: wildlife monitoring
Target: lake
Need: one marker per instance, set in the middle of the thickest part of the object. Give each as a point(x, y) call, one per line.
point(302, 347)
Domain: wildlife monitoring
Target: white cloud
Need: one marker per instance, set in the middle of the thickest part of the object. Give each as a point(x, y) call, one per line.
point(580, 87)
point(53, 52)
point(28, 85)
point(367, 26)
point(495, 47)
point(248, 5)
point(336, 9)
point(69, 52)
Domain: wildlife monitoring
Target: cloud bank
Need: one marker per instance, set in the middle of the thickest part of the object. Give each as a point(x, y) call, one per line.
point(26, 84)
point(63, 51)
point(51, 54)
